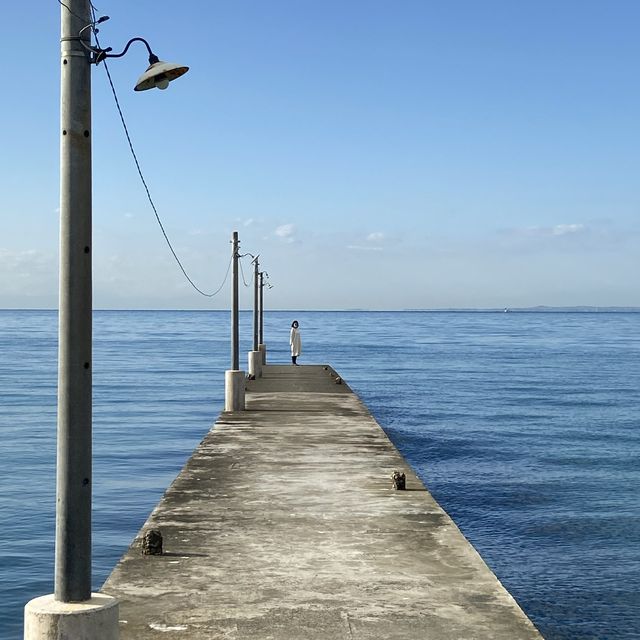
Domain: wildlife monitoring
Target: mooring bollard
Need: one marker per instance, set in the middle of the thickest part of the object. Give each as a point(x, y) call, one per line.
point(152, 543)
point(399, 481)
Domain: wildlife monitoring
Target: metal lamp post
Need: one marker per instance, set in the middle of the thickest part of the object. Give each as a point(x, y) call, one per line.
point(260, 324)
point(74, 444)
point(262, 347)
point(255, 356)
point(73, 514)
point(235, 306)
point(234, 396)
point(256, 287)
point(73, 488)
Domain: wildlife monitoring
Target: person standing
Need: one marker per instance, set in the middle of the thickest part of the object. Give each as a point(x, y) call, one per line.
point(295, 342)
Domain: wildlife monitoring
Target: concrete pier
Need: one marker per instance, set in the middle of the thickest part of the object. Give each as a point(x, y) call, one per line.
point(285, 525)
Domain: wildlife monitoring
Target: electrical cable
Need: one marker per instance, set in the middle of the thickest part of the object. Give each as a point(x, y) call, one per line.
point(226, 275)
point(144, 182)
point(68, 8)
point(242, 270)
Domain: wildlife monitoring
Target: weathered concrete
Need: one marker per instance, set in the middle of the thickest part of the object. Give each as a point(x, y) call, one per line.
point(284, 525)
point(262, 348)
point(255, 364)
point(95, 619)
point(234, 390)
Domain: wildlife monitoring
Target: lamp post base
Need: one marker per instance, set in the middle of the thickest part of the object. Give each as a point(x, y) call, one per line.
point(255, 364)
point(234, 390)
point(48, 619)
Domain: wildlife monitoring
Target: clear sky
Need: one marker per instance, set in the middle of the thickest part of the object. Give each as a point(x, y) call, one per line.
point(377, 154)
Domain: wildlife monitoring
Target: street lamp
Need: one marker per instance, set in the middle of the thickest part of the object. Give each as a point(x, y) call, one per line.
point(158, 74)
point(262, 347)
point(73, 609)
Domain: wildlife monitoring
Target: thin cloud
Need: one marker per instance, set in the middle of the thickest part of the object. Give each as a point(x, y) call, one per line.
point(372, 242)
point(23, 260)
point(286, 232)
point(27, 272)
point(556, 231)
point(566, 229)
point(358, 247)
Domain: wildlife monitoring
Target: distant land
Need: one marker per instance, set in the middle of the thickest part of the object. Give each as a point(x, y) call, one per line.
point(543, 309)
point(540, 309)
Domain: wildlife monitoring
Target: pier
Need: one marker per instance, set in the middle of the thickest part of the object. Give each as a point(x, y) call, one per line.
point(285, 525)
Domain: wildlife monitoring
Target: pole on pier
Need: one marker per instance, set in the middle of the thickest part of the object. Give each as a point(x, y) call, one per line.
point(235, 308)
point(234, 378)
point(262, 347)
point(73, 506)
point(255, 356)
point(256, 286)
point(58, 614)
point(261, 305)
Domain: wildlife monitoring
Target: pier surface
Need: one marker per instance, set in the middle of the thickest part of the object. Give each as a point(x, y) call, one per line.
point(284, 525)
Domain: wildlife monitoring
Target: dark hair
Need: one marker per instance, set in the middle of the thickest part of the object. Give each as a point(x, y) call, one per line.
point(294, 322)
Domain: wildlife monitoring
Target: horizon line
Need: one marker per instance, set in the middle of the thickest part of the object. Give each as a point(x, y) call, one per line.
point(536, 308)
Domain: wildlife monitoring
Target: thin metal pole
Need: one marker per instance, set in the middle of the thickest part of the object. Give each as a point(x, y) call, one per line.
point(73, 506)
point(261, 337)
point(255, 304)
point(235, 331)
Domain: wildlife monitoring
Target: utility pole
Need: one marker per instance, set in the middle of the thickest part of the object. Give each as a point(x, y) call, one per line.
point(255, 356)
point(261, 329)
point(235, 331)
point(73, 506)
point(255, 303)
point(234, 378)
point(72, 611)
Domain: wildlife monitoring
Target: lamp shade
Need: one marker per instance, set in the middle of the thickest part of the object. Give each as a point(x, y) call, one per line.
point(159, 74)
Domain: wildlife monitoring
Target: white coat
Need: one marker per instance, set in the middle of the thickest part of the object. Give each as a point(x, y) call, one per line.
point(294, 342)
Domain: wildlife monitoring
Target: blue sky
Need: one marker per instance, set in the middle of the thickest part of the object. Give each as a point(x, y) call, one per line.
point(409, 154)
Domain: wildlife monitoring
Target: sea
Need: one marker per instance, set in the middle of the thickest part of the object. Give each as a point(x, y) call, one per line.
point(524, 426)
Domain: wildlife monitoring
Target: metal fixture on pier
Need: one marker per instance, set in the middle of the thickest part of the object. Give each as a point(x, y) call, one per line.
point(158, 74)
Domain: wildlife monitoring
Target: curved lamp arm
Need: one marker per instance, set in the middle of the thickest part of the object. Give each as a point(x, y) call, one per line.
point(101, 54)
point(153, 58)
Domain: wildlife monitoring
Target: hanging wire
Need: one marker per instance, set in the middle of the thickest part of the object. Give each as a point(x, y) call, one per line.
point(242, 270)
point(68, 8)
point(226, 275)
point(142, 178)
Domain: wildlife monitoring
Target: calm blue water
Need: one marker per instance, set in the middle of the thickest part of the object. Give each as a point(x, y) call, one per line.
point(525, 427)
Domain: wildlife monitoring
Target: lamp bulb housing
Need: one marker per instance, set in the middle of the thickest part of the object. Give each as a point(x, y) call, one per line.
point(159, 74)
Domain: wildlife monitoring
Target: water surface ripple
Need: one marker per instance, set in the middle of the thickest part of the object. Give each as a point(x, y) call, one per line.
point(524, 426)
